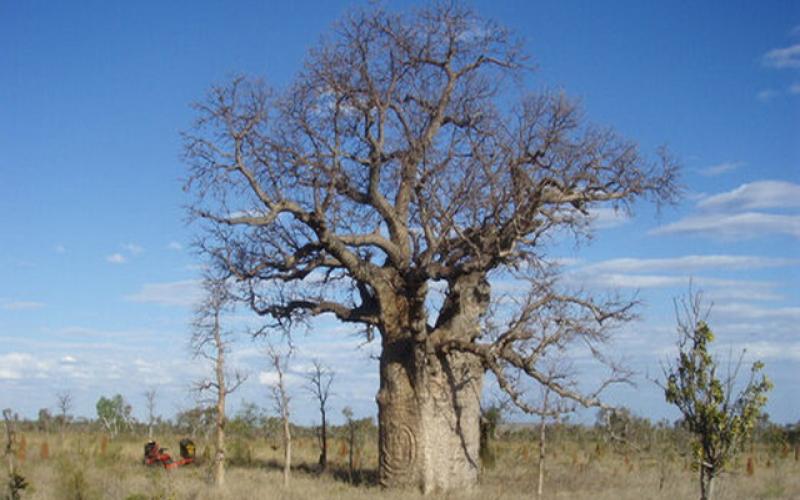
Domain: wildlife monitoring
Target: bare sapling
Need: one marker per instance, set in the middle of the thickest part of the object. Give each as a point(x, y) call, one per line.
point(150, 403)
point(319, 380)
point(279, 361)
point(64, 403)
point(210, 342)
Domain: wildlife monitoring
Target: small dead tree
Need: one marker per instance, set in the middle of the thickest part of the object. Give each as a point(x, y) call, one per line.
point(150, 403)
point(279, 362)
point(549, 407)
point(319, 380)
point(211, 342)
point(64, 403)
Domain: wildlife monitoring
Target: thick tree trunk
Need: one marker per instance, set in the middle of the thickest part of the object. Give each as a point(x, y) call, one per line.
point(429, 414)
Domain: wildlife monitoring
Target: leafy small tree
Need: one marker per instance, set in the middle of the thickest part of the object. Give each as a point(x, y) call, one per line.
point(114, 413)
point(720, 419)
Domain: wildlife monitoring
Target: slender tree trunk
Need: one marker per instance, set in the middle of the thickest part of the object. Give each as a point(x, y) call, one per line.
point(428, 415)
point(542, 450)
point(323, 457)
point(287, 450)
point(219, 441)
point(706, 483)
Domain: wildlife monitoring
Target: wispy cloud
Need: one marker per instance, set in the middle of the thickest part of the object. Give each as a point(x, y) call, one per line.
point(175, 293)
point(732, 226)
point(733, 214)
point(116, 258)
point(721, 168)
point(689, 263)
point(174, 245)
point(60, 248)
point(767, 95)
point(753, 312)
point(22, 305)
point(794, 88)
point(133, 248)
point(786, 57)
point(607, 217)
point(638, 281)
point(756, 195)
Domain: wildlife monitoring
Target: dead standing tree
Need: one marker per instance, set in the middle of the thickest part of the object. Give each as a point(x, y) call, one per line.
point(150, 403)
point(280, 394)
point(397, 160)
point(64, 403)
point(319, 379)
point(210, 341)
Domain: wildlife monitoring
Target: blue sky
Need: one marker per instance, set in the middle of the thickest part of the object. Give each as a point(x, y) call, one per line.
point(96, 273)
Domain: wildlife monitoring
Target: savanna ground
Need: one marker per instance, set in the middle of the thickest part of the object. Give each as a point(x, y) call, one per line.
point(90, 466)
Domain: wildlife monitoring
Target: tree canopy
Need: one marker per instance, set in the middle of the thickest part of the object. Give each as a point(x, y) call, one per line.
point(406, 155)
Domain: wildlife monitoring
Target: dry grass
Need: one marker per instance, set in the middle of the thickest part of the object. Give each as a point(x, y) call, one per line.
point(85, 467)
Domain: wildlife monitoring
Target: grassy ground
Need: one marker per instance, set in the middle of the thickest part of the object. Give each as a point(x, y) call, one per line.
point(88, 466)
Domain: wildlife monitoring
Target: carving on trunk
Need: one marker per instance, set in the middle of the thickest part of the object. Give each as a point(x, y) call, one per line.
point(401, 449)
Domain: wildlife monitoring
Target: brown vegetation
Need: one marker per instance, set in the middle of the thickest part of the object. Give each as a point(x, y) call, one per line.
point(77, 469)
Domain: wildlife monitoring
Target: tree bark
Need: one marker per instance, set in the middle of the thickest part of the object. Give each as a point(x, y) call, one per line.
point(542, 450)
point(219, 441)
point(287, 449)
point(323, 457)
point(706, 483)
point(428, 414)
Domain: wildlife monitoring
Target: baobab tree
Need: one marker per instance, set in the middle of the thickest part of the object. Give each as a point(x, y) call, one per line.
point(210, 341)
point(404, 160)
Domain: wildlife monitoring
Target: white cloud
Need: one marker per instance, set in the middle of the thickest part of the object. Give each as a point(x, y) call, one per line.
point(721, 168)
point(688, 263)
point(60, 248)
point(17, 365)
point(767, 95)
point(755, 195)
point(174, 245)
point(753, 312)
point(786, 57)
point(133, 248)
point(116, 258)
point(745, 225)
point(176, 293)
point(607, 217)
point(271, 378)
point(768, 350)
point(22, 305)
point(794, 88)
point(68, 360)
point(622, 280)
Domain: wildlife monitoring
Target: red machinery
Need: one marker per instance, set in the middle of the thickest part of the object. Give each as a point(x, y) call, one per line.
point(153, 455)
